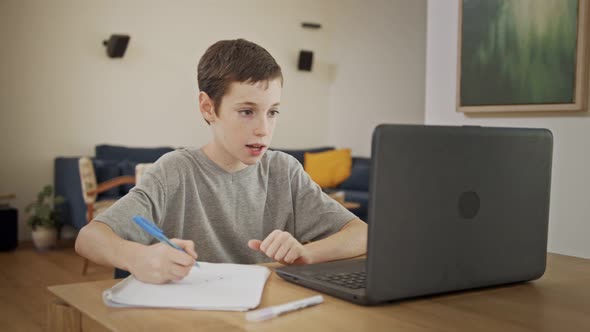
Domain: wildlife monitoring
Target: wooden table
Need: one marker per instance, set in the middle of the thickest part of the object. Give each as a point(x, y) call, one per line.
point(559, 301)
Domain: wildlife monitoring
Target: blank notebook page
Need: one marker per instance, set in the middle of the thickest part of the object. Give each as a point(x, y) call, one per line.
point(228, 287)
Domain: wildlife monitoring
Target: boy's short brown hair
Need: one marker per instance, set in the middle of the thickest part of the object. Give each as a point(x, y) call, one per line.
point(229, 61)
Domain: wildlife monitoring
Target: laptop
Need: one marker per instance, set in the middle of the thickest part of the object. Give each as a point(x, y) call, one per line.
point(450, 209)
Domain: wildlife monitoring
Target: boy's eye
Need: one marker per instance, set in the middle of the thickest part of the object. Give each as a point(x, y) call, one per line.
point(273, 113)
point(245, 112)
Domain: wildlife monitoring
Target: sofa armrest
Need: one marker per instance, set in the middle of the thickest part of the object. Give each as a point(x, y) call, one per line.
point(67, 184)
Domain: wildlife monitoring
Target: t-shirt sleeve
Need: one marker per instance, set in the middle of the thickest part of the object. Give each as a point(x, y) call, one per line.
point(146, 199)
point(316, 214)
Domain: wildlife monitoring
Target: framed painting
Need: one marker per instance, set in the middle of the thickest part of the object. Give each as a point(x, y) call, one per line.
point(522, 55)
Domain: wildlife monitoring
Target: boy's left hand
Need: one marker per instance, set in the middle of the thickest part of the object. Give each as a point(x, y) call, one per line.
point(282, 247)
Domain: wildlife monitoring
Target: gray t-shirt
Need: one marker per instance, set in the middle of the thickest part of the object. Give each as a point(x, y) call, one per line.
point(189, 197)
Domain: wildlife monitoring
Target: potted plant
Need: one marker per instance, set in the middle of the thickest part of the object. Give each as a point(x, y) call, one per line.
point(44, 219)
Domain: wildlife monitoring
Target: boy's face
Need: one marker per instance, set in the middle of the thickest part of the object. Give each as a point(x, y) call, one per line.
point(244, 123)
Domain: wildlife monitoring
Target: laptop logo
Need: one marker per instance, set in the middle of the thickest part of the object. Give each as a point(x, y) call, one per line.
point(468, 204)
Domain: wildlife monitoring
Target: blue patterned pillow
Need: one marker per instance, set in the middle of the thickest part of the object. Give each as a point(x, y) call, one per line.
point(105, 170)
point(126, 167)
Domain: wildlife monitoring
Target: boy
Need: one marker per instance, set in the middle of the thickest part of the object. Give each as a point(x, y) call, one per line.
point(233, 201)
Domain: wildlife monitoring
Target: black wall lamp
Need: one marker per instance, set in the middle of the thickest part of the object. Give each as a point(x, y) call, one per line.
point(305, 61)
point(116, 45)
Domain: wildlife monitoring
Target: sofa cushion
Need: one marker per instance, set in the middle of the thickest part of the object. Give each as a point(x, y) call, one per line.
point(359, 175)
point(300, 154)
point(127, 167)
point(105, 170)
point(329, 168)
point(138, 155)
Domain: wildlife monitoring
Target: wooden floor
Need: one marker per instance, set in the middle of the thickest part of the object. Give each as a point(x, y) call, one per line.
point(24, 276)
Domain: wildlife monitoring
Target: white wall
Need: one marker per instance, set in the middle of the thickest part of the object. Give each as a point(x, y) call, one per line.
point(60, 94)
point(379, 53)
point(569, 225)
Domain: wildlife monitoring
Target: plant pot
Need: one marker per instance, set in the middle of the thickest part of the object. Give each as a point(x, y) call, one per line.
point(44, 237)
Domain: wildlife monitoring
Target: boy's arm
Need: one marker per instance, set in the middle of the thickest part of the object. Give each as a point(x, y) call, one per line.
point(97, 242)
point(158, 263)
point(350, 241)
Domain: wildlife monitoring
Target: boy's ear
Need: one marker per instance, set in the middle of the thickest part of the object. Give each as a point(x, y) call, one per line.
point(206, 107)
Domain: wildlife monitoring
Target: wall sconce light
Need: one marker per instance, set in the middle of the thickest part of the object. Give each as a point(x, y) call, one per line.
point(305, 60)
point(305, 56)
point(116, 45)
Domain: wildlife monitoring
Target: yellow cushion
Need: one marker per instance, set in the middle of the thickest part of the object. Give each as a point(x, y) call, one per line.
point(328, 168)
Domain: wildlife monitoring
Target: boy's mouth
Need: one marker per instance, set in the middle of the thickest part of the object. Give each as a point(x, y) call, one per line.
point(256, 146)
point(256, 149)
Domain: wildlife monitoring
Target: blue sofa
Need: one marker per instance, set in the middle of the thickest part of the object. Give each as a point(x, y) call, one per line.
point(109, 161)
point(355, 187)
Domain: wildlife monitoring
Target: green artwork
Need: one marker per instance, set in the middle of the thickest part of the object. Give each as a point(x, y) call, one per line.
point(516, 52)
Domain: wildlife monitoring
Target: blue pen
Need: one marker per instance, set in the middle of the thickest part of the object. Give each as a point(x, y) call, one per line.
point(154, 231)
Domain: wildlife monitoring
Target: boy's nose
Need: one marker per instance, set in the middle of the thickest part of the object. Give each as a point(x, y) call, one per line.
point(262, 128)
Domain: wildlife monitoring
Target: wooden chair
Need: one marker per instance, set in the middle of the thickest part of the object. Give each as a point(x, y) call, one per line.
point(91, 189)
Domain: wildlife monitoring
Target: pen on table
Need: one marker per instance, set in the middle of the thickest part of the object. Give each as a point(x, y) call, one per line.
point(274, 311)
point(154, 231)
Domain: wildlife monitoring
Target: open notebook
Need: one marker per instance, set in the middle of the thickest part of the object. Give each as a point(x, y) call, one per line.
point(227, 287)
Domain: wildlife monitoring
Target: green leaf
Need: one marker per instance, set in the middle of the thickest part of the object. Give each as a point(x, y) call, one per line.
point(47, 190)
point(44, 212)
point(58, 200)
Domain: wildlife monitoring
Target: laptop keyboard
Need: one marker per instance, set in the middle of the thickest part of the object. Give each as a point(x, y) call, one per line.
point(354, 280)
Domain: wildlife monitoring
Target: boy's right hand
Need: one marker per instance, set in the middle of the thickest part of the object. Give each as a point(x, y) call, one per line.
point(160, 263)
